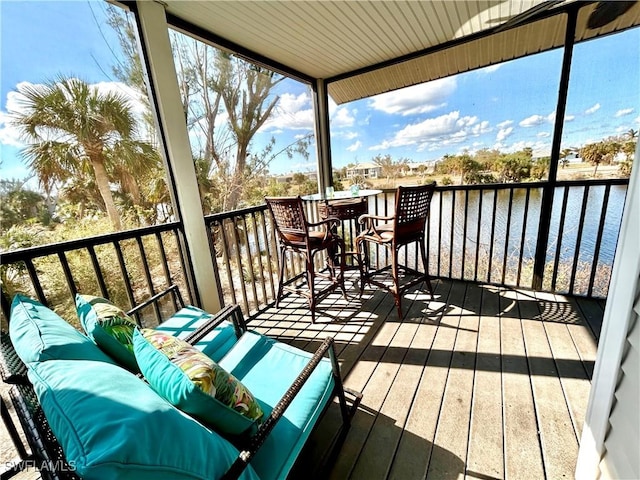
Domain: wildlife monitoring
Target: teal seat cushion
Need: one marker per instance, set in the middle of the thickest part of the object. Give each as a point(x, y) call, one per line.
point(188, 319)
point(112, 425)
point(268, 368)
point(39, 334)
point(109, 327)
point(194, 383)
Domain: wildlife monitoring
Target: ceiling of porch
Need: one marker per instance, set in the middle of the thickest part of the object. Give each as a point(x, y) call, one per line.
point(369, 47)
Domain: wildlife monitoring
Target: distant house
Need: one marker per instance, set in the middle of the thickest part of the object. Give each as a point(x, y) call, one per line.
point(418, 168)
point(364, 170)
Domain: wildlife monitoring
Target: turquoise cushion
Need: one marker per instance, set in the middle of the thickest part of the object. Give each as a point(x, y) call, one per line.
point(268, 368)
point(188, 319)
point(40, 334)
point(109, 327)
point(112, 425)
point(194, 383)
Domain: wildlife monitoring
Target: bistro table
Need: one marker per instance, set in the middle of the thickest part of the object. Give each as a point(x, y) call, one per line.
point(347, 206)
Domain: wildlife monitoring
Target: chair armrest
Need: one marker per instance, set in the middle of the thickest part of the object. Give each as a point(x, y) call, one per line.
point(230, 312)
point(255, 442)
point(12, 370)
point(172, 289)
point(368, 218)
point(370, 223)
point(329, 221)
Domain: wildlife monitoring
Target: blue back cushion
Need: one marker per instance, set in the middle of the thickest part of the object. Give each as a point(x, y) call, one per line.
point(39, 334)
point(215, 344)
point(112, 425)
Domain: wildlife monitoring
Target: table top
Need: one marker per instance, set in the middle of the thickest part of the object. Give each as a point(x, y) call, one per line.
point(341, 195)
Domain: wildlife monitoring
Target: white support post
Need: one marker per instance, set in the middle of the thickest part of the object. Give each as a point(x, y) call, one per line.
point(615, 327)
point(154, 33)
point(323, 142)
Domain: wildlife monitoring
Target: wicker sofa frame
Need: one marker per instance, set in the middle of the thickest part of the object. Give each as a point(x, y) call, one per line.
point(46, 453)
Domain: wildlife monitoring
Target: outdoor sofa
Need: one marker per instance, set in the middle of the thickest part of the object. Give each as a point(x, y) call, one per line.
point(87, 415)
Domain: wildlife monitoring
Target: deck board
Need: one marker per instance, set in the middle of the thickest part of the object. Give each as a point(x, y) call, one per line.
point(480, 382)
point(485, 458)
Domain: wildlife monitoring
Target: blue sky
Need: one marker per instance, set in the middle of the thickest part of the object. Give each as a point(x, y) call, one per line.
point(507, 107)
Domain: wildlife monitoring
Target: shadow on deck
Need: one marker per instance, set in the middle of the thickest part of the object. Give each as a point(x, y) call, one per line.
point(479, 382)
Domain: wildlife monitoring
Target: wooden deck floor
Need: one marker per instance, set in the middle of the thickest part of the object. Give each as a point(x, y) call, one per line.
point(480, 382)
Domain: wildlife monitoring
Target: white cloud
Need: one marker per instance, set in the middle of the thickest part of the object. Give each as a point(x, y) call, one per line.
point(355, 146)
point(345, 135)
point(532, 121)
point(505, 124)
point(623, 112)
point(480, 128)
point(503, 133)
point(9, 135)
point(593, 109)
point(293, 112)
point(543, 135)
point(535, 120)
point(342, 117)
point(421, 98)
point(436, 132)
point(569, 118)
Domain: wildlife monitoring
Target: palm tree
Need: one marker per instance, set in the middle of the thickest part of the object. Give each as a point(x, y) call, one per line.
point(73, 129)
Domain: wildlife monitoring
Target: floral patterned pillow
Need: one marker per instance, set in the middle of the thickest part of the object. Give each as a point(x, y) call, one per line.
point(193, 382)
point(109, 327)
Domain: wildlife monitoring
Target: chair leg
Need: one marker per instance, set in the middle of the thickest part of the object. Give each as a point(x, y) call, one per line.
point(283, 254)
point(343, 267)
point(396, 281)
point(425, 264)
point(362, 262)
point(310, 281)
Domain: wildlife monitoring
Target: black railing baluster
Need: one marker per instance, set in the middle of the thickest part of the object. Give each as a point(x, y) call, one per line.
point(68, 276)
point(596, 252)
point(464, 233)
point(441, 194)
point(35, 281)
point(163, 260)
point(493, 231)
point(254, 225)
point(183, 265)
point(249, 258)
point(98, 271)
point(125, 277)
point(507, 236)
point(428, 242)
point(149, 280)
point(563, 212)
point(453, 212)
point(523, 233)
point(165, 267)
point(271, 249)
point(479, 226)
point(576, 256)
point(226, 259)
point(236, 248)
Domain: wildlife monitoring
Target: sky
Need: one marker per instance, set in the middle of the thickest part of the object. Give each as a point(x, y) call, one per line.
point(507, 107)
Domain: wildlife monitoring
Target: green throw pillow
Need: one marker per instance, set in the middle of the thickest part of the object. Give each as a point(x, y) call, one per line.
point(109, 327)
point(194, 383)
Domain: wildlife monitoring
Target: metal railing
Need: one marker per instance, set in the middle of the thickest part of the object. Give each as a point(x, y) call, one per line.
point(479, 233)
point(125, 267)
